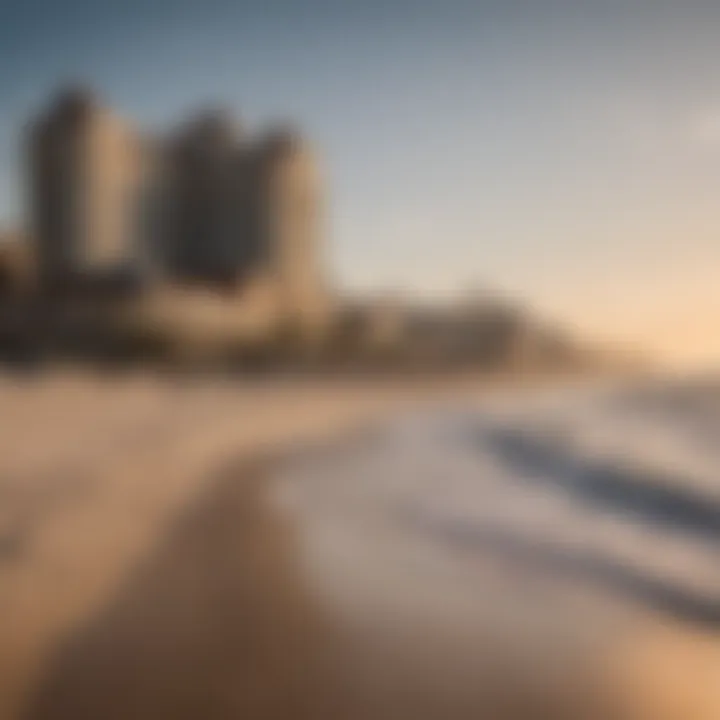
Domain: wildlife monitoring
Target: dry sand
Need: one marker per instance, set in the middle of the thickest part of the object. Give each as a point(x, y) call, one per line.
point(94, 474)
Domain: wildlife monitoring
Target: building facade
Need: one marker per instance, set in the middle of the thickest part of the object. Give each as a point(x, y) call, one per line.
point(86, 178)
point(202, 206)
point(285, 224)
point(204, 202)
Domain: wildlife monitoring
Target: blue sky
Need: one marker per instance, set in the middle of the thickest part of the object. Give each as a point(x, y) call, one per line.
point(567, 153)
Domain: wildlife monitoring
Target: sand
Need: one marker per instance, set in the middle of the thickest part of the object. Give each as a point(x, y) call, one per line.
point(153, 566)
point(96, 471)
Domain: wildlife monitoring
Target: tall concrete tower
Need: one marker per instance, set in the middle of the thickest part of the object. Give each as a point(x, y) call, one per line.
point(205, 182)
point(287, 216)
point(86, 181)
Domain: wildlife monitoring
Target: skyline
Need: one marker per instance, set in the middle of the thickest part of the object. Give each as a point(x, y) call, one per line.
point(567, 157)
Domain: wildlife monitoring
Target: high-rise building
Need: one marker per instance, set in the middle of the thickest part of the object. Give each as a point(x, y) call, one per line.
point(202, 206)
point(239, 213)
point(86, 183)
point(286, 224)
point(204, 201)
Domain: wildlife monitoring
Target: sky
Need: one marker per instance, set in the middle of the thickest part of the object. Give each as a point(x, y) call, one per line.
point(566, 153)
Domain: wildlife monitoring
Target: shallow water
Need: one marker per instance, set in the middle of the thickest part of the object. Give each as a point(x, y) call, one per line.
point(561, 549)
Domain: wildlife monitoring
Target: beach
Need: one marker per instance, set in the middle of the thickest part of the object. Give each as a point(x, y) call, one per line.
point(315, 549)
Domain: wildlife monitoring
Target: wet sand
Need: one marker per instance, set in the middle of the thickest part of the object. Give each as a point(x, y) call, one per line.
point(221, 623)
point(214, 624)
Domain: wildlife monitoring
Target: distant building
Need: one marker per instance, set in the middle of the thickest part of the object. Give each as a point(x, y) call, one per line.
point(203, 206)
point(86, 182)
point(285, 220)
point(218, 237)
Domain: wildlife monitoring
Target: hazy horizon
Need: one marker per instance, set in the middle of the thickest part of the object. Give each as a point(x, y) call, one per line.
point(565, 154)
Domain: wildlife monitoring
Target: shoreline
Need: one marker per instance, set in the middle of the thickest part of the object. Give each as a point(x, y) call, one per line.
point(158, 577)
point(120, 461)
